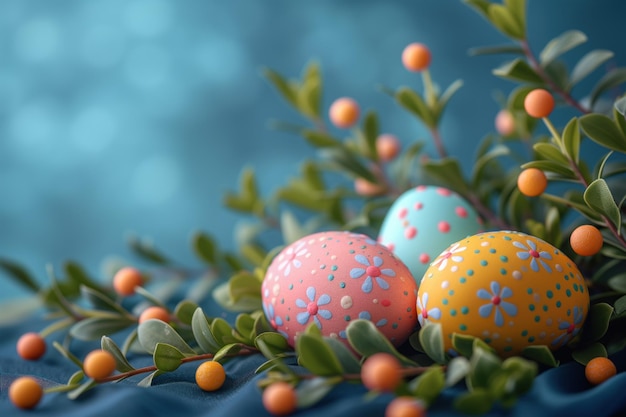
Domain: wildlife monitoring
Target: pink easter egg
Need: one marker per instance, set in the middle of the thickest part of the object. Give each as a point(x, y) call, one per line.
point(331, 278)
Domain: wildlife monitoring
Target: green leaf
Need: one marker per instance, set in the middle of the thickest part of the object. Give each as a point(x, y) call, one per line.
point(166, 357)
point(457, 369)
point(244, 326)
point(311, 391)
point(429, 385)
point(476, 402)
point(518, 10)
point(316, 356)
point(448, 172)
point(463, 344)
point(349, 362)
point(370, 134)
point(497, 50)
point(184, 311)
point(309, 97)
point(285, 88)
point(84, 387)
point(367, 340)
point(413, 102)
point(561, 44)
point(202, 332)
point(222, 331)
point(550, 152)
point(571, 139)
point(76, 378)
point(587, 353)
point(515, 379)
point(67, 354)
point(602, 130)
point(483, 365)
point(244, 284)
point(78, 275)
point(245, 303)
point(100, 300)
point(94, 328)
point(569, 202)
point(121, 363)
point(620, 305)
point(482, 164)
point(19, 274)
point(348, 162)
point(620, 106)
point(540, 354)
point(144, 248)
point(271, 344)
point(610, 80)
point(153, 331)
point(205, 247)
point(550, 166)
point(443, 100)
point(228, 350)
point(618, 282)
point(481, 6)
point(597, 322)
point(290, 227)
point(588, 64)
point(151, 298)
point(431, 339)
point(599, 198)
point(320, 139)
point(518, 70)
point(147, 381)
point(503, 19)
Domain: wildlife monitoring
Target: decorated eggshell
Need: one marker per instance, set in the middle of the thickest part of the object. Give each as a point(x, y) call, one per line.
point(423, 221)
point(331, 278)
point(510, 289)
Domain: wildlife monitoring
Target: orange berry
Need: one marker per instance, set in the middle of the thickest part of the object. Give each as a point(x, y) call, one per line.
point(155, 312)
point(125, 281)
point(405, 407)
point(416, 57)
point(539, 103)
point(387, 147)
point(99, 364)
point(210, 375)
point(344, 112)
point(280, 399)
point(599, 370)
point(505, 123)
point(367, 189)
point(532, 182)
point(586, 240)
point(31, 346)
point(25, 392)
point(381, 372)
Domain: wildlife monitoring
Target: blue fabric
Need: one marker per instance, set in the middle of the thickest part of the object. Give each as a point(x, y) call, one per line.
point(561, 391)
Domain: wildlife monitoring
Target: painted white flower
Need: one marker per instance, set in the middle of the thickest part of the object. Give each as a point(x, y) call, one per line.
point(450, 254)
point(290, 258)
point(425, 313)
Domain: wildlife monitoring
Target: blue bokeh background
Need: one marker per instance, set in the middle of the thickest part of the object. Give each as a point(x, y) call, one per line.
point(135, 116)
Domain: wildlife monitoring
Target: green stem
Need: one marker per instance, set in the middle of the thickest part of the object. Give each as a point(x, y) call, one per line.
point(555, 135)
point(581, 178)
point(536, 66)
point(204, 356)
point(56, 326)
point(431, 96)
point(441, 150)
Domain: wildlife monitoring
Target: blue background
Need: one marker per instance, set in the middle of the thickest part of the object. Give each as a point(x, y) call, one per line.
point(135, 116)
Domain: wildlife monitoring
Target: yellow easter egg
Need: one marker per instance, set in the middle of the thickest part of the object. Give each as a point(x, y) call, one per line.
point(510, 289)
